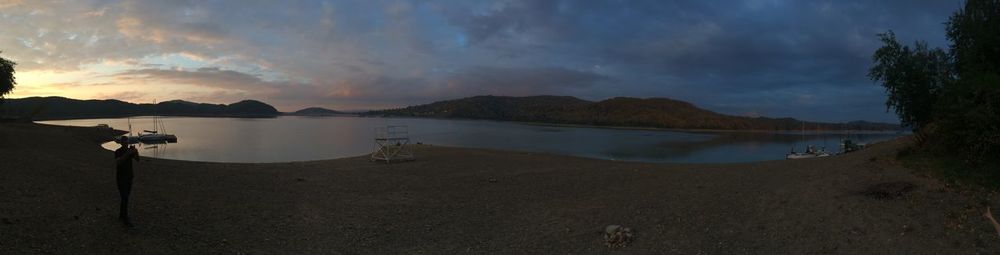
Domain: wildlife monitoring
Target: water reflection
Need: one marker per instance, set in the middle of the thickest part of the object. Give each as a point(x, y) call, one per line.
point(314, 138)
point(737, 146)
point(155, 150)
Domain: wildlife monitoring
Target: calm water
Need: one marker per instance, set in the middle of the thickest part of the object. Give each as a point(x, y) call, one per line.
point(312, 138)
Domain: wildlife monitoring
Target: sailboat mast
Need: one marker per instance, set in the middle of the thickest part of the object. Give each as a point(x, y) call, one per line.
point(155, 126)
point(803, 133)
point(822, 132)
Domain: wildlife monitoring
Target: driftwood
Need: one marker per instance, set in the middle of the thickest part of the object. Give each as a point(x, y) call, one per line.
point(989, 216)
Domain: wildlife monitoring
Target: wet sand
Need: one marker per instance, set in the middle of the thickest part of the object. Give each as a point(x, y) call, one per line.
point(58, 195)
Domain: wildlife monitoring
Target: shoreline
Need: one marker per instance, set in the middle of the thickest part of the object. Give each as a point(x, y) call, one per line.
point(815, 132)
point(706, 142)
point(458, 200)
point(632, 128)
point(838, 131)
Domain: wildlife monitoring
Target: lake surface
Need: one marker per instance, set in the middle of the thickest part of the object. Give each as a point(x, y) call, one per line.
point(292, 138)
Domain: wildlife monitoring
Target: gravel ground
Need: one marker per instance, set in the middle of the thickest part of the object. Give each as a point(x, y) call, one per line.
point(58, 196)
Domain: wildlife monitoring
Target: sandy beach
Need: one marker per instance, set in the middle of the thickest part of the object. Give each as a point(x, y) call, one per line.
point(58, 196)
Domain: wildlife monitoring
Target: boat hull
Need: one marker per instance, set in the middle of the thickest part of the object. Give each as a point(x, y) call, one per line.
point(806, 155)
point(157, 138)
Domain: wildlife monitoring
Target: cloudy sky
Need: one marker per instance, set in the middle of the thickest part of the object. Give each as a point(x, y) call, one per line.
point(803, 59)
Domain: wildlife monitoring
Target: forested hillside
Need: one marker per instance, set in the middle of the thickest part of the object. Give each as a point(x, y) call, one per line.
point(619, 111)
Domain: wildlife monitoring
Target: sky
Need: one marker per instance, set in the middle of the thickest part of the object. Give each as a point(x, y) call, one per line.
point(776, 58)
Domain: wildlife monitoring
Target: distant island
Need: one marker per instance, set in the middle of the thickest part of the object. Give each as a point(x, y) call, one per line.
point(618, 112)
point(315, 111)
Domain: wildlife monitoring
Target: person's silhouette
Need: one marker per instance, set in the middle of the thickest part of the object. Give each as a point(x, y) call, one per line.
point(123, 165)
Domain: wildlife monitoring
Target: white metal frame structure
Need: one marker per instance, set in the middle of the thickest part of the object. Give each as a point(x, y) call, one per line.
point(391, 144)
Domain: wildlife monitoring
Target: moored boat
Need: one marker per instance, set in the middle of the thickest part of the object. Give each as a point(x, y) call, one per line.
point(811, 152)
point(158, 134)
point(157, 138)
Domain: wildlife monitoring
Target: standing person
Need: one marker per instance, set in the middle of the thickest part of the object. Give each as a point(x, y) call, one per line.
point(123, 165)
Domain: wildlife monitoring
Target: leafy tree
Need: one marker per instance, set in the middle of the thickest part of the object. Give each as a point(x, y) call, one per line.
point(913, 78)
point(7, 81)
point(958, 94)
point(974, 32)
point(969, 111)
point(968, 118)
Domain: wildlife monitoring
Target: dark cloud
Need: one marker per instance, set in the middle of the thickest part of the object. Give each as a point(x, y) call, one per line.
point(768, 57)
point(225, 86)
point(380, 90)
point(211, 77)
point(124, 96)
point(522, 81)
point(710, 51)
point(390, 91)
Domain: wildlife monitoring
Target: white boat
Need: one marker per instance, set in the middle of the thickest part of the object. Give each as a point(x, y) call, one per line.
point(811, 152)
point(157, 138)
point(156, 135)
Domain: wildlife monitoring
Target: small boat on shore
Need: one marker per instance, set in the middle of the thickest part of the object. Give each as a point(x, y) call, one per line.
point(811, 152)
point(849, 144)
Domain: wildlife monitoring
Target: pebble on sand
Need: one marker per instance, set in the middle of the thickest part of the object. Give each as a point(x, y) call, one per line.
point(616, 236)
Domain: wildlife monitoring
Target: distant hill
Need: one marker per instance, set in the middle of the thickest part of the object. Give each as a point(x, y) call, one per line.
point(315, 111)
point(250, 107)
point(46, 108)
point(619, 111)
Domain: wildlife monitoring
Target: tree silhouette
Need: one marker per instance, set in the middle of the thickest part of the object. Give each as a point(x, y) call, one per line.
point(958, 91)
point(913, 78)
point(974, 32)
point(7, 81)
point(968, 113)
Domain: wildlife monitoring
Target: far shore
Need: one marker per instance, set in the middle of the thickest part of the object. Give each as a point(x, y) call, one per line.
point(256, 116)
point(838, 131)
point(649, 128)
point(57, 195)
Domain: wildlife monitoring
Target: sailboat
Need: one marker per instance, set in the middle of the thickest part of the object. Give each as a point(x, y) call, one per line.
point(158, 134)
point(810, 152)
